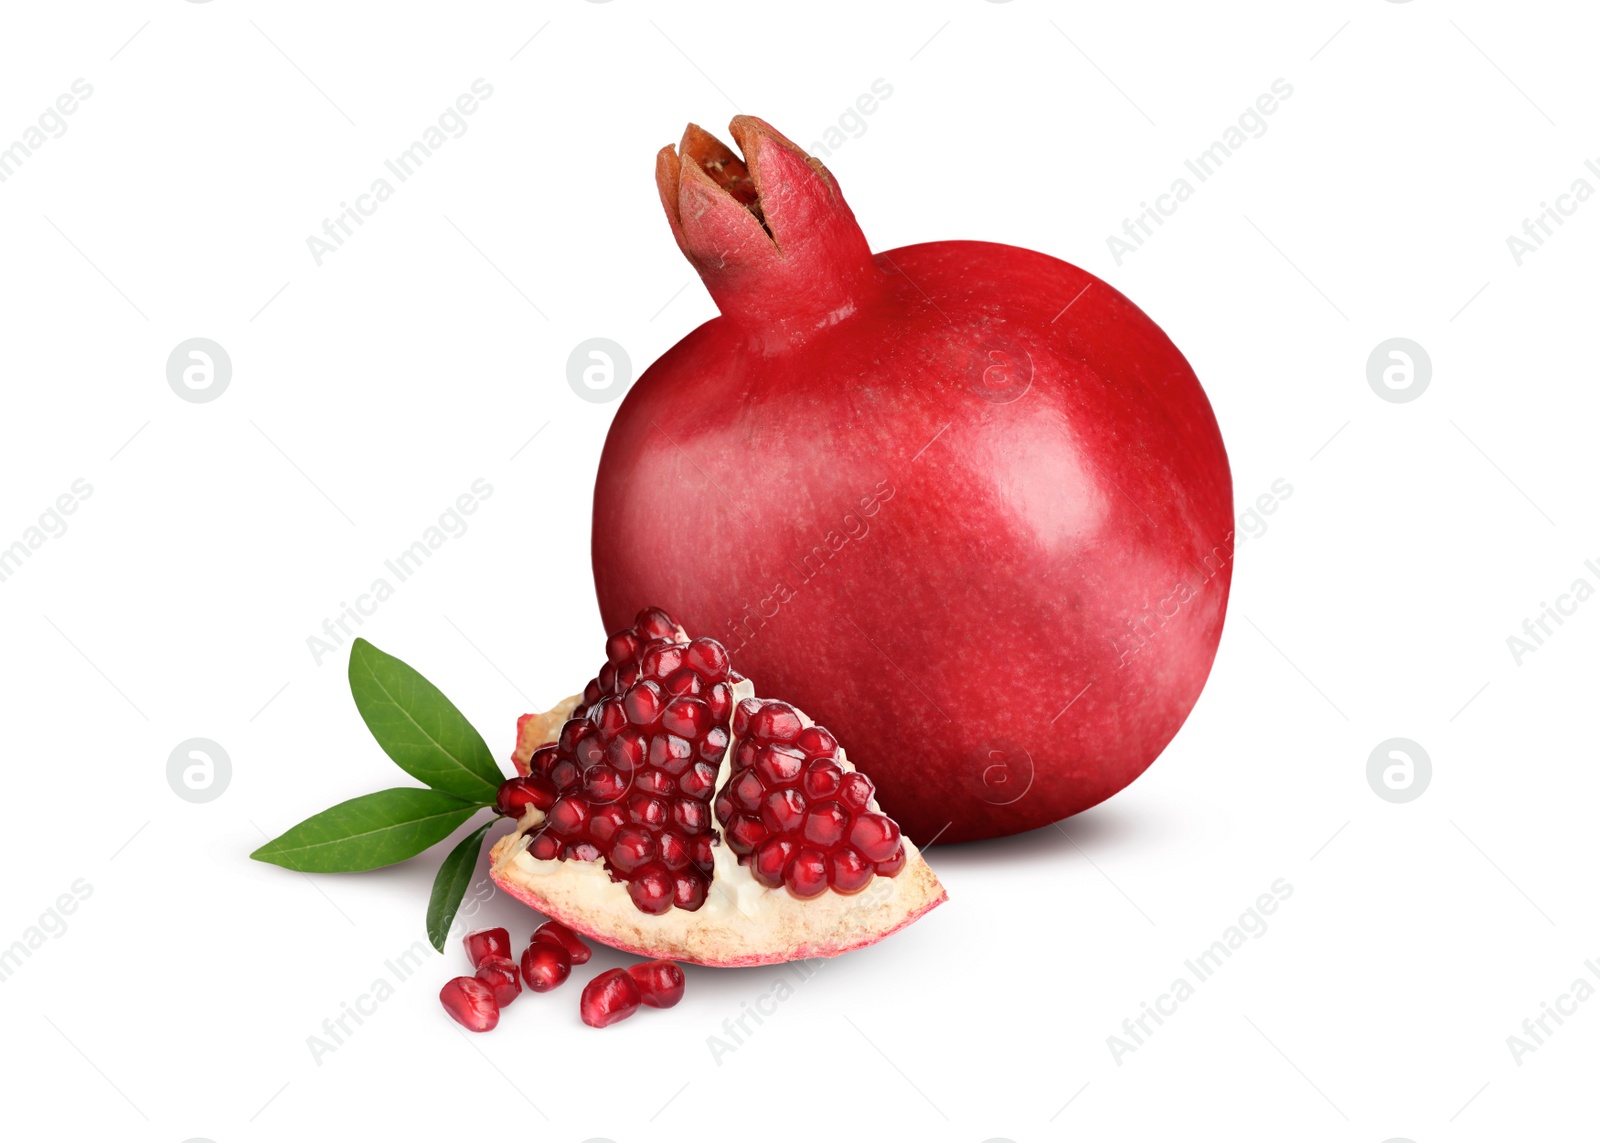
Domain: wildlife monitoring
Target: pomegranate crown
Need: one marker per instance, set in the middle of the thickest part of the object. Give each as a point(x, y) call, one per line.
point(769, 233)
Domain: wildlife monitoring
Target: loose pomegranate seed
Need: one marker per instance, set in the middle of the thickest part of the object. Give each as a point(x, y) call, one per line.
point(609, 997)
point(471, 1003)
point(660, 983)
point(500, 974)
point(481, 944)
point(517, 794)
point(545, 965)
point(558, 933)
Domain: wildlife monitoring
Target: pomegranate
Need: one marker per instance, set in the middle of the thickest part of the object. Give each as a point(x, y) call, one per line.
point(695, 822)
point(964, 502)
point(545, 965)
point(471, 1003)
point(482, 944)
point(500, 974)
point(609, 997)
point(660, 983)
point(557, 933)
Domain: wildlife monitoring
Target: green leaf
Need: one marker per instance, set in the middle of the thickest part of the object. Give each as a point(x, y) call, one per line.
point(450, 885)
point(368, 832)
point(420, 729)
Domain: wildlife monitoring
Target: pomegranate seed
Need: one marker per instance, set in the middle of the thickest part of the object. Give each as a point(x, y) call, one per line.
point(825, 825)
point(661, 660)
point(700, 847)
point(643, 703)
point(602, 784)
point(822, 779)
point(652, 890)
point(670, 753)
point(742, 715)
point(545, 965)
point(708, 658)
point(609, 716)
point(674, 851)
point(894, 865)
point(687, 717)
point(875, 837)
point(720, 699)
point(481, 944)
point(632, 848)
point(744, 833)
point(627, 751)
point(771, 859)
point(776, 720)
point(691, 816)
point(544, 758)
point(807, 874)
point(609, 997)
point(715, 744)
point(568, 816)
point(848, 871)
point(653, 783)
point(660, 983)
point(500, 974)
point(855, 791)
point(745, 756)
point(747, 791)
point(776, 765)
point(565, 775)
point(688, 891)
point(783, 810)
point(699, 781)
point(606, 681)
point(558, 933)
point(605, 823)
point(683, 681)
point(621, 648)
point(653, 623)
point(817, 742)
point(471, 1003)
point(545, 846)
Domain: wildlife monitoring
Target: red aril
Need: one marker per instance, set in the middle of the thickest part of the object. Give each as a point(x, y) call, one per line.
point(554, 931)
point(660, 983)
point(481, 944)
point(500, 974)
point(546, 965)
point(609, 997)
point(964, 503)
point(471, 1003)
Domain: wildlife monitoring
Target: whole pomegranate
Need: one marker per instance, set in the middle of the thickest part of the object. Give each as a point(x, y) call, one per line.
point(964, 503)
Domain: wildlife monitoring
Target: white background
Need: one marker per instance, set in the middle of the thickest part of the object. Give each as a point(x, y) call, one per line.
point(369, 392)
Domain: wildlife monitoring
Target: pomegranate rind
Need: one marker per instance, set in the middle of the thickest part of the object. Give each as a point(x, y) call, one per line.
point(742, 923)
point(534, 730)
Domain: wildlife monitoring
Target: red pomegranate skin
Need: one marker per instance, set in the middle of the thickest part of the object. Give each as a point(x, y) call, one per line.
point(963, 503)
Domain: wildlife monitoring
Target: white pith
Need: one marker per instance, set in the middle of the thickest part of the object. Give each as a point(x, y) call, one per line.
point(742, 921)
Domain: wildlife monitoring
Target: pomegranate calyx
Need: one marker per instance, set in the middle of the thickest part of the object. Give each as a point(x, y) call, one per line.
point(770, 233)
